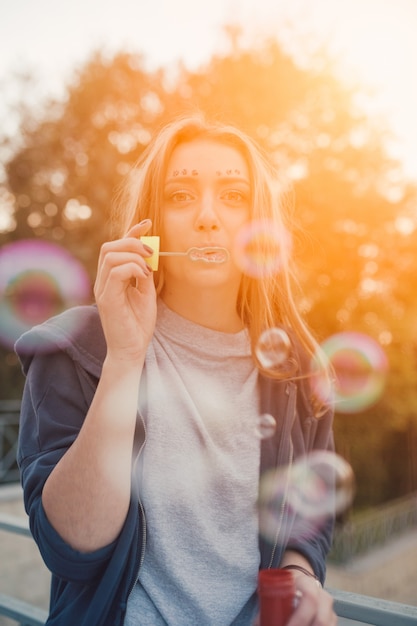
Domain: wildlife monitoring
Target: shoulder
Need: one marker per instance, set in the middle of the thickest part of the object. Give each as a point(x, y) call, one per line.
point(77, 331)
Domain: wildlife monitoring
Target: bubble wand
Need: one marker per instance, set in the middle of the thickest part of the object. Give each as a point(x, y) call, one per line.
point(207, 254)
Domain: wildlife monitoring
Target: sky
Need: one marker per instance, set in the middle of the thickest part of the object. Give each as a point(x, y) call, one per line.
point(374, 40)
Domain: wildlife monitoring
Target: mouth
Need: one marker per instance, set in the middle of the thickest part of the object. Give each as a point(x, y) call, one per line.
point(210, 254)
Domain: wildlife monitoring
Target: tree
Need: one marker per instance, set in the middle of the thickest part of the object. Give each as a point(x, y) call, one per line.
point(354, 214)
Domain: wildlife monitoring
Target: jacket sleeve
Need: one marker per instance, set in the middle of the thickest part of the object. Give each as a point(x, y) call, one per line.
point(54, 404)
point(311, 533)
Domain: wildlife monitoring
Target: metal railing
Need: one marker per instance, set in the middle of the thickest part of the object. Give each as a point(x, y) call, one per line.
point(21, 612)
point(352, 609)
point(353, 538)
point(373, 529)
point(356, 609)
point(9, 426)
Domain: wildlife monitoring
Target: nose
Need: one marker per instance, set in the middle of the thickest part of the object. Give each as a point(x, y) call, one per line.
point(207, 216)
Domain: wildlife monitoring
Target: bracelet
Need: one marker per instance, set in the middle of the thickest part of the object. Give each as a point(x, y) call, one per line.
point(304, 571)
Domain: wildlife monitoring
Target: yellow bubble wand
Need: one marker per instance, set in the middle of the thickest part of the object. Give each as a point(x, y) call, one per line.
point(208, 254)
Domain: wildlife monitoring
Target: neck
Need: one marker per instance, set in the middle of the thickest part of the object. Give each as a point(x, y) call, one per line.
point(212, 309)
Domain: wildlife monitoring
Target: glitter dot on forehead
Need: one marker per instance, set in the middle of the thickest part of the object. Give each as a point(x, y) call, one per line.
point(228, 172)
point(194, 172)
point(184, 172)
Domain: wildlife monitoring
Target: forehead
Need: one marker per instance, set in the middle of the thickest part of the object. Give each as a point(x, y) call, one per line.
point(206, 154)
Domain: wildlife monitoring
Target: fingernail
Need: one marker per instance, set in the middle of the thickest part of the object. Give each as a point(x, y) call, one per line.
point(148, 249)
point(145, 221)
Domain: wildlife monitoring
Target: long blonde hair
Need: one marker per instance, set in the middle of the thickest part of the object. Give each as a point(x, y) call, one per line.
point(263, 303)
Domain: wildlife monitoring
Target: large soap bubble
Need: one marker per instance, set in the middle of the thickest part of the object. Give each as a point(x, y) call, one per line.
point(38, 279)
point(360, 369)
point(260, 248)
point(315, 487)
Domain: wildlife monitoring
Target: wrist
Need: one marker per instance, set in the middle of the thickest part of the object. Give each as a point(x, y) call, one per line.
point(303, 570)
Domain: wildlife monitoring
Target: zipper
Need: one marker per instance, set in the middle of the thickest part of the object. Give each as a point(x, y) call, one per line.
point(282, 510)
point(290, 411)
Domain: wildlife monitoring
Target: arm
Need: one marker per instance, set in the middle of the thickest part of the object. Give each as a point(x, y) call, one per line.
point(86, 496)
point(314, 603)
point(49, 424)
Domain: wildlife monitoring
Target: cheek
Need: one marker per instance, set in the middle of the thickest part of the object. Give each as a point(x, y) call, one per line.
point(241, 215)
point(171, 223)
point(167, 233)
point(239, 222)
point(173, 269)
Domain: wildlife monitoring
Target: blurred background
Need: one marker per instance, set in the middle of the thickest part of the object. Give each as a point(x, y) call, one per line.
point(329, 89)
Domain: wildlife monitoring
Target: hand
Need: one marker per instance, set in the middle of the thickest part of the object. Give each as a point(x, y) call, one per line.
point(315, 605)
point(125, 295)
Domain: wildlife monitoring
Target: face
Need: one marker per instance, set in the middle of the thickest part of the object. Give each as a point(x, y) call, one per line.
point(207, 199)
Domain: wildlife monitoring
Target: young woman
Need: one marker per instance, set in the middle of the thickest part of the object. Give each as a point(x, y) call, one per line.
point(138, 449)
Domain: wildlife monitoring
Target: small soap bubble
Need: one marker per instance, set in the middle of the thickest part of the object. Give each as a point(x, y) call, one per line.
point(260, 248)
point(38, 280)
point(360, 369)
point(266, 426)
point(273, 348)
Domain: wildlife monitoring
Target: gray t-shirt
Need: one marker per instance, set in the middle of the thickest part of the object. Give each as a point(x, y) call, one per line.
point(198, 474)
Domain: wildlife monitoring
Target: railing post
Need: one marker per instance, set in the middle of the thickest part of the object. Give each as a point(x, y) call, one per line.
point(9, 426)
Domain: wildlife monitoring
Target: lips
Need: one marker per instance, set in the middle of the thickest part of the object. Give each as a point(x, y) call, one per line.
point(209, 254)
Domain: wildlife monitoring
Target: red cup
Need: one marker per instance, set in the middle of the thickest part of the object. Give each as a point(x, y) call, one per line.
point(276, 592)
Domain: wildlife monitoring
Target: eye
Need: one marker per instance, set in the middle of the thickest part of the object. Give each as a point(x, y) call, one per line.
point(234, 195)
point(181, 196)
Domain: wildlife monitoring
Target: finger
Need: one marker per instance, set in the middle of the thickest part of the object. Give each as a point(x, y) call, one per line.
point(115, 253)
point(118, 296)
point(315, 608)
point(118, 270)
point(122, 275)
point(325, 613)
point(307, 605)
point(127, 244)
point(139, 229)
point(119, 252)
point(114, 258)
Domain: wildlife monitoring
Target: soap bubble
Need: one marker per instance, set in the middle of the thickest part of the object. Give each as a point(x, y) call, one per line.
point(316, 486)
point(266, 426)
point(273, 348)
point(272, 500)
point(322, 483)
point(33, 296)
point(259, 249)
point(38, 279)
point(360, 369)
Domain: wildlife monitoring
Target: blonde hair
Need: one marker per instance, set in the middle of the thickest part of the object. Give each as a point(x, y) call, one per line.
point(263, 303)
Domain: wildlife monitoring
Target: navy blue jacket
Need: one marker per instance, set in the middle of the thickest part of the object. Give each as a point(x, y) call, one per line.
point(62, 361)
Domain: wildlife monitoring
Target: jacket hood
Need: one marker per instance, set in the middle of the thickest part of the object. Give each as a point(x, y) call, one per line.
point(77, 331)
